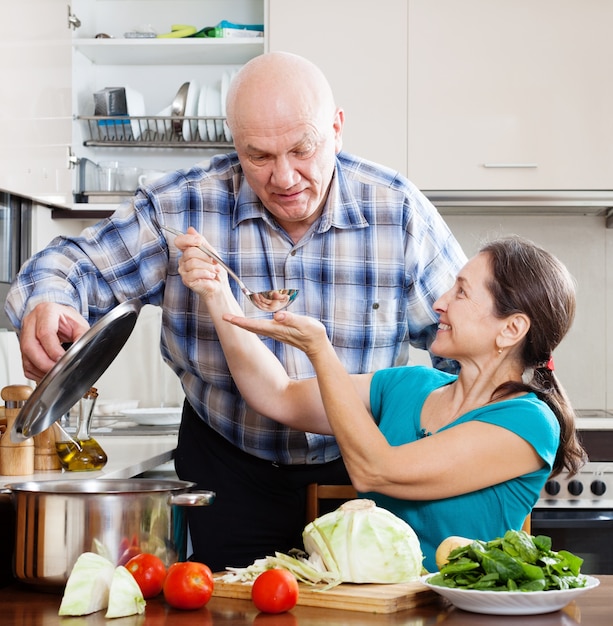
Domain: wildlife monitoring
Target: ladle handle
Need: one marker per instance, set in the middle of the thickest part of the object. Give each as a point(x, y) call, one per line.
point(212, 254)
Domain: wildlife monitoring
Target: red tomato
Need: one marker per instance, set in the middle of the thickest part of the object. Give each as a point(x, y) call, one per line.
point(149, 572)
point(188, 585)
point(275, 591)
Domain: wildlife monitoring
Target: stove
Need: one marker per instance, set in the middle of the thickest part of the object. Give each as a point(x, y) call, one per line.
point(577, 512)
point(591, 487)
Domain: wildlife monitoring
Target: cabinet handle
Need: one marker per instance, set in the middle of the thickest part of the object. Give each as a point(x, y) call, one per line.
point(511, 165)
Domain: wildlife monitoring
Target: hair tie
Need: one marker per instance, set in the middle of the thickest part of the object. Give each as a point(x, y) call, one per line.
point(549, 365)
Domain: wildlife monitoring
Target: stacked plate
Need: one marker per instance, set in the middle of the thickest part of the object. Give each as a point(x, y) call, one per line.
point(206, 102)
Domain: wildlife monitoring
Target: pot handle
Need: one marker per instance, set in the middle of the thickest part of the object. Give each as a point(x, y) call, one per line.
point(192, 498)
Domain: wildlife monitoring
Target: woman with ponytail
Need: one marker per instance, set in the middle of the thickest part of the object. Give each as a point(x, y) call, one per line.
point(464, 454)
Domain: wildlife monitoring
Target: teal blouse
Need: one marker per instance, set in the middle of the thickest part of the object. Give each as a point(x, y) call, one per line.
point(397, 396)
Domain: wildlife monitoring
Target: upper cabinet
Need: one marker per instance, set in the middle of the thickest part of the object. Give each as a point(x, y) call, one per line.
point(175, 86)
point(510, 95)
point(58, 148)
point(361, 46)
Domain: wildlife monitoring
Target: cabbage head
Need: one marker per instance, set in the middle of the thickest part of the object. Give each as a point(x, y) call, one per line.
point(363, 543)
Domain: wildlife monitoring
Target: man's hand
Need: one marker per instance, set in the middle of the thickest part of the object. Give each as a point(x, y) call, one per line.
point(198, 270)
point(43, 332)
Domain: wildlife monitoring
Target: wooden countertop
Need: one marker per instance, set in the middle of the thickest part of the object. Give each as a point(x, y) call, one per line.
point(22, 606)
point(128, 456)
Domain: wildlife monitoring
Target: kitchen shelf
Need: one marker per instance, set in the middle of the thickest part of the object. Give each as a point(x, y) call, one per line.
point(156, 132)
point(189, 51)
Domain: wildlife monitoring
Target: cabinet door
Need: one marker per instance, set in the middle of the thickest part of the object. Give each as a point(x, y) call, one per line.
point(361, 46)
point(35, 113)
point(512, 94)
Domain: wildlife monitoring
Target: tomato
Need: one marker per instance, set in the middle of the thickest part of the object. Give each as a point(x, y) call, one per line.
point(149, 572)
point(188, 585)
point(275, 591)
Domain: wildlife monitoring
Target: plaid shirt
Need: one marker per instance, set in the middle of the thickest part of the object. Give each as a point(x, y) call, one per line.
point(370, 269)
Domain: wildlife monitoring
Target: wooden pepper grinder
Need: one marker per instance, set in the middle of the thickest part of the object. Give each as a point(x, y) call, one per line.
point(16, 459)
point(45, 452)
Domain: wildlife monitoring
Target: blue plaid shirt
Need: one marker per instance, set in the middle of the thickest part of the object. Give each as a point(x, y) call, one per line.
point(370, 269)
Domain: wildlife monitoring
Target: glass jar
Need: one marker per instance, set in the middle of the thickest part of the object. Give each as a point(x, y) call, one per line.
point(81, 453)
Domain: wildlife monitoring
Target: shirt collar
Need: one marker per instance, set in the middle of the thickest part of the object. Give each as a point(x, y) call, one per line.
point(341, 210)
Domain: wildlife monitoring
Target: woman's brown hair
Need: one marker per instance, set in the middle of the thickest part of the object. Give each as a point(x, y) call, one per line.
point(527, 279)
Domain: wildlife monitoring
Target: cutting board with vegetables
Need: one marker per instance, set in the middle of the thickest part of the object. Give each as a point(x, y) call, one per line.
point(367, 598)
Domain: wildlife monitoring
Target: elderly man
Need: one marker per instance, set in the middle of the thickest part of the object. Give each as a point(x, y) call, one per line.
point(367, 251)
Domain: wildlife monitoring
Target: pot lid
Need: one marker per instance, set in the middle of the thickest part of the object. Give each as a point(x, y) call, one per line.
point(76, 372)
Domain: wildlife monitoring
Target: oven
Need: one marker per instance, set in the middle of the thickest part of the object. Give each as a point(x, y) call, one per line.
point(577, 512)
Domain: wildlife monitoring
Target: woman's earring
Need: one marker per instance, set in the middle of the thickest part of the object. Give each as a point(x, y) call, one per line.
point(499, 350)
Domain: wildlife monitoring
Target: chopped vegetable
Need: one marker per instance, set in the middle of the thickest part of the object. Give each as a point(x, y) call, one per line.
point(516, 562)
point(357, 543)
point(125, 596)
point(87, 588)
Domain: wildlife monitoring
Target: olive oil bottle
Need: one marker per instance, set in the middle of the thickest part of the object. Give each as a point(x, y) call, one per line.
point(82, 453)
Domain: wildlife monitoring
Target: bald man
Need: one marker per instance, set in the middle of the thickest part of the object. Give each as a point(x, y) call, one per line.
point(367, 251)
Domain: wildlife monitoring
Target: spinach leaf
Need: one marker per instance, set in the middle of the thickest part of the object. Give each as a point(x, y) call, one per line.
point(516, 562)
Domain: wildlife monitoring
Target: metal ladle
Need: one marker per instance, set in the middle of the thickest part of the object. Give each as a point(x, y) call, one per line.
point(272, 300)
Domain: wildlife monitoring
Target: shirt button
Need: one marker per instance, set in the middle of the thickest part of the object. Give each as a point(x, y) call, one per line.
point(293, 253)
point(375, 305)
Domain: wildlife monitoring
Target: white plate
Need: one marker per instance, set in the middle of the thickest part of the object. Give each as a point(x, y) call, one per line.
point(225, 83)
point(511, 602)
point(201, 113)
point(191, 108)
point(136, 108)
point(156, 416)
point(213, 109)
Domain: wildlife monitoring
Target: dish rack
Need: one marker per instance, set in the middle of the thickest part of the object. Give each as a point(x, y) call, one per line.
point(156, 131)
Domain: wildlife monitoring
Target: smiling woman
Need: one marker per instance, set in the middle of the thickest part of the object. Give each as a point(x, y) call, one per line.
point(505, 402)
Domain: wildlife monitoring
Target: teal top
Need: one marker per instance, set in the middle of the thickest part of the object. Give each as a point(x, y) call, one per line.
point(397, 396)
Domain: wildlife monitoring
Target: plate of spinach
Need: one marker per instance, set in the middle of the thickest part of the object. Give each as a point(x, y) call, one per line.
point(518, 574)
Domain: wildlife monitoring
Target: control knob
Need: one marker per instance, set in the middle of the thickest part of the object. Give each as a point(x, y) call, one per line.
point(575, 487)
point(552, 487)
point(598, 487)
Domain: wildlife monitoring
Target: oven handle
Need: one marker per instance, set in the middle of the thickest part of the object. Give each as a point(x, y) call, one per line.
point(595, 518)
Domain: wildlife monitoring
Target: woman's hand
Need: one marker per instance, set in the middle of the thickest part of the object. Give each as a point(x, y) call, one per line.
point(198, 270)
point(300, 331)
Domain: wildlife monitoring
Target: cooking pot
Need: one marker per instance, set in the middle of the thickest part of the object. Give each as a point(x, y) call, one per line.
point(56, 521)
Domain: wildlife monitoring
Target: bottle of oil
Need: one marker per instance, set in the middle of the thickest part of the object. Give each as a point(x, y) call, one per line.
point(81, 453)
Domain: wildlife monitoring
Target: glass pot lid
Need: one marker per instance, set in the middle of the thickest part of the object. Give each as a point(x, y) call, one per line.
point(80, 367)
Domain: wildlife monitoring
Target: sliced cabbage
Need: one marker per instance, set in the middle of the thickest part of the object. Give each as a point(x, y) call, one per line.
point(87, 587)
point(362, 543)
point(125, 597)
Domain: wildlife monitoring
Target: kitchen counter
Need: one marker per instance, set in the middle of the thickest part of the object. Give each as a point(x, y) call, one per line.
point(128, 456)
point(21, 606)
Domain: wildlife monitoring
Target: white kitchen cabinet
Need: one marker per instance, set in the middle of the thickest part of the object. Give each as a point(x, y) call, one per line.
point(361, 46)
point(58, 68)
point(512, 94)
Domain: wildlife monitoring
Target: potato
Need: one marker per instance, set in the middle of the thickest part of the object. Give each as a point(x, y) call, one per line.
point(446, 546)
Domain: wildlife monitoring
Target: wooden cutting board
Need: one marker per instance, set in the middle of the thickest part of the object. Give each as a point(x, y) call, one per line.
point(367, 598)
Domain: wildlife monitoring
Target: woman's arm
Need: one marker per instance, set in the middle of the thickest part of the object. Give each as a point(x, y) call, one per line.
point(457, 460)
point(259, 376)
point(454, 461)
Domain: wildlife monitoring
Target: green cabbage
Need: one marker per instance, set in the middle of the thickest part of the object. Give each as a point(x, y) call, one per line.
point(362, 543)
point(125, 597)
point(87, 587)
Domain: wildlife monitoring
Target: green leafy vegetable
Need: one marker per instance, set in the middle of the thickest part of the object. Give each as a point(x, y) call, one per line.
point(363, 543)
point(516, 562)
point(125, 596)
point(87, 587)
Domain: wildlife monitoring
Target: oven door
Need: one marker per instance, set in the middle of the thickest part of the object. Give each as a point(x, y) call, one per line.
point(588, 533)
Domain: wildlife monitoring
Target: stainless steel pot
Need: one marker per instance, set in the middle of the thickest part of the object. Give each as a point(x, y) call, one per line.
point(56, 521)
